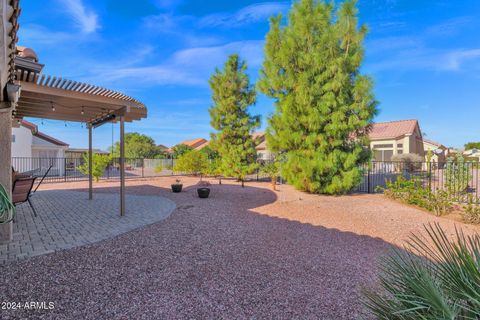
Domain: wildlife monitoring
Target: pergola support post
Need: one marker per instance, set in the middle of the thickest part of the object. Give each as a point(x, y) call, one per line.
point(90, 163)
point(122, 165)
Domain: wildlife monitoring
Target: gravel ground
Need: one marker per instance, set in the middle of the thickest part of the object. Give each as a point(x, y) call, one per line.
point(242, 253)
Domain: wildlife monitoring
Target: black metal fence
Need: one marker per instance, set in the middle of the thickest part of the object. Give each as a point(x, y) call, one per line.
point(70, 169)
point(459, 178)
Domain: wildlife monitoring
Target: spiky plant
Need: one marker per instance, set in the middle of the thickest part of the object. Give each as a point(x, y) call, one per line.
point(432, 279)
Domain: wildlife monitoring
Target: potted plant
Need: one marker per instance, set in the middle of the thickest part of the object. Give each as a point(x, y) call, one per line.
point(177, 186)
point(195, 163)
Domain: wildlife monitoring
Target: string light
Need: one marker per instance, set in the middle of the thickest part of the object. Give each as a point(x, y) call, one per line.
point(53, 107)
point(83, 112)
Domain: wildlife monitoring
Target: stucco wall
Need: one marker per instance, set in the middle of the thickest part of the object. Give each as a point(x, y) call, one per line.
point(22, 144)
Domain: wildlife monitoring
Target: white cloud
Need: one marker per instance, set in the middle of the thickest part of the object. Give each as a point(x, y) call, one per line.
point(450, 27)
point(453, 60)
point(34, 35)
point(190, 67)
point(86, 19)
point(247, 15)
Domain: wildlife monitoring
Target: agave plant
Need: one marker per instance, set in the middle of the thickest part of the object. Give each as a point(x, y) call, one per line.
point(433, 278)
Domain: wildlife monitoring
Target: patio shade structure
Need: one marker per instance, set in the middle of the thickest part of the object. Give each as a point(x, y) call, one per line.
point(57, 98)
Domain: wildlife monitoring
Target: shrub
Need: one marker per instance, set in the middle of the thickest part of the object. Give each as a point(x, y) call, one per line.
point(471, 211)
point(163, 166)
point(411, 191)
point(434, 278)
point(457, 175)
point(99, 164)
point(410, 162)
point(192, 162)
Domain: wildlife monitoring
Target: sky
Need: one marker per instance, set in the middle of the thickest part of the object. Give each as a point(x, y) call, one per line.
point(423, 55)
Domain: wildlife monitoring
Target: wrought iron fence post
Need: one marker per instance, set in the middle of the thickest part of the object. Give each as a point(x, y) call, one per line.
point(65, 169)
point(143, 166)
point(368, 177)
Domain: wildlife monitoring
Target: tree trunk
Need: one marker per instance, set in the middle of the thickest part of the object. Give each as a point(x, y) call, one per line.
point(243, 183)
point(274, 183)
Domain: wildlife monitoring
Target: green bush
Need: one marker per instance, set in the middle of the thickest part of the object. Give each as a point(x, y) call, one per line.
point(191, 162)
point(163, 166)
point(471, 211)
point(99, 164)
point(412, 191)
point(433, 278)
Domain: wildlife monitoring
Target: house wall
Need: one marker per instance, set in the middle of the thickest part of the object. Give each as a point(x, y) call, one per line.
point(264, 154)
point(22, 142)
point(6, 230)
point(438, 158)
point(384, 149)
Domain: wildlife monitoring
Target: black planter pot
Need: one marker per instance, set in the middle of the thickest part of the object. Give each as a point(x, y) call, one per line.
point(177, 188)
point(203, 192)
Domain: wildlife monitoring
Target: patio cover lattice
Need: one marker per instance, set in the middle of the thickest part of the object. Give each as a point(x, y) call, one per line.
point(56, 98)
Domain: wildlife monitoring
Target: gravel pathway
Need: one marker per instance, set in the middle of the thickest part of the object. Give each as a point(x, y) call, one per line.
point(242, 254)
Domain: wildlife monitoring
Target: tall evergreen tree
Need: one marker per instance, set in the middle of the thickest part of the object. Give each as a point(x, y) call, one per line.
point(324, 106)
point(232, 94)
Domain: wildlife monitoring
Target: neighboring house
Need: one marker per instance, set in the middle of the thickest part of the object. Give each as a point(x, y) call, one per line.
point(472, 153)
point(439, 151)
point(395, 137)
point(77, 153)
point(196, 144)
point(33, 150)
point(162, 147)
point(262, 150)
point(28, 142)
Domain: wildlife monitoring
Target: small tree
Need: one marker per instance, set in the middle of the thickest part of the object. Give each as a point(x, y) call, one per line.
point(272, 170)
point(138, 146)
point(179, 150)
point(472, 145)
point(99, 164)
point(192, 162)
point(232, 94)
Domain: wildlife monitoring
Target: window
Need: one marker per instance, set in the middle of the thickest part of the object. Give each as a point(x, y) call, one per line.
point(13, 138)
point(383, 155)
point(378, 146)
point(399, 145)
point(399, 151)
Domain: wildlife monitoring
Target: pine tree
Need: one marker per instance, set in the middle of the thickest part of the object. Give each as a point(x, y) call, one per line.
point(323, 105)
point(232, 94)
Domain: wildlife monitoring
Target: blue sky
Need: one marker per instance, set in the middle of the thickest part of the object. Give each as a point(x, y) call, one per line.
point(423, 55)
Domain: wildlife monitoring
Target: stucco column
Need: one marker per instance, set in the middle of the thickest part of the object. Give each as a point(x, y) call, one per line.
point(6, 230)
point(5, 114)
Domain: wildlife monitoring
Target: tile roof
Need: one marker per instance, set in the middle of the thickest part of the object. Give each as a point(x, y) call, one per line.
point(392, 129)
point(433, 143)
point(195, 143)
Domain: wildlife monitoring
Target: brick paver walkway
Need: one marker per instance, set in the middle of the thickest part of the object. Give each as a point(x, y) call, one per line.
point(67, 219)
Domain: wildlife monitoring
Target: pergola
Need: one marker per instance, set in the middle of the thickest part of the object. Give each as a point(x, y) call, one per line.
point(57, 98)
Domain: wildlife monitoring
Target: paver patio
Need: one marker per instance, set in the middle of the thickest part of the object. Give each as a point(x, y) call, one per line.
point(242, 254)
point(67, 219)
